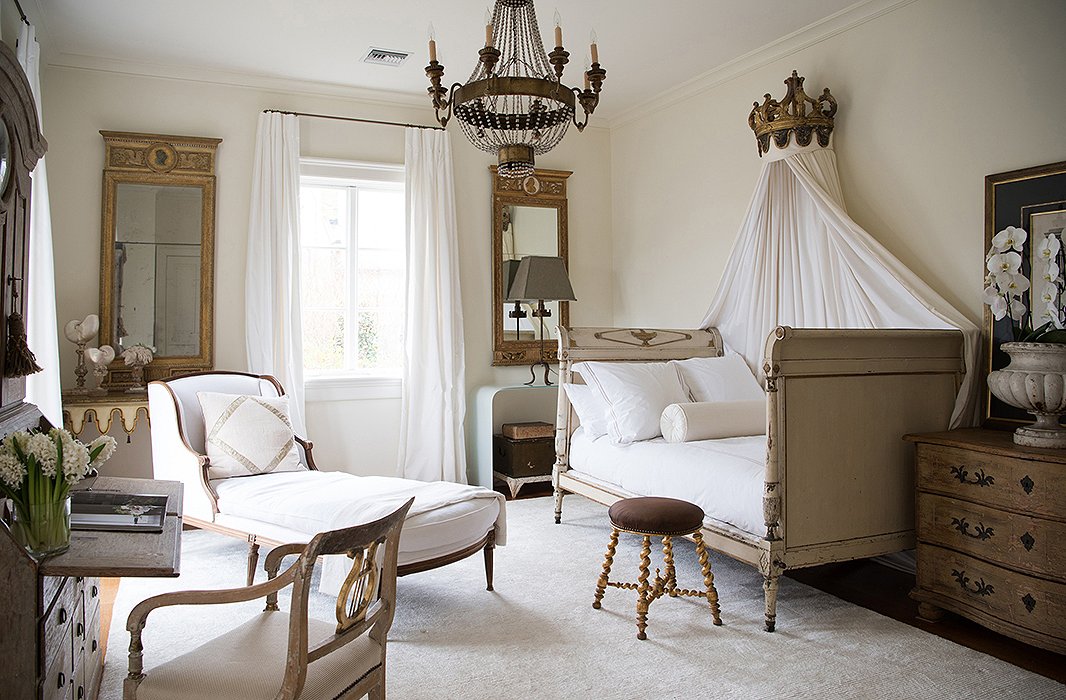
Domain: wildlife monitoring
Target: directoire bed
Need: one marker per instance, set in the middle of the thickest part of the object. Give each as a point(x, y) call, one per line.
point(831, 480)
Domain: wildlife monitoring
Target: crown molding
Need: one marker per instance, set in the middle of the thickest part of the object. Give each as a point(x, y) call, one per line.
point(251, 81)
point(842, 21)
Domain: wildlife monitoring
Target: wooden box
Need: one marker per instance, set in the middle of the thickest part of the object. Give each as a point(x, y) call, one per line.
point(519, 458)
point(528, 431)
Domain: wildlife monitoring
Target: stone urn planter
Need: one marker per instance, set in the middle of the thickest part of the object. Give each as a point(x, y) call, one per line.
point(1034, 381)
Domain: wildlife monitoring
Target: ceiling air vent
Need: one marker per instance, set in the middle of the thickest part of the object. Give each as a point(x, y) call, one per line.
point(385, 57)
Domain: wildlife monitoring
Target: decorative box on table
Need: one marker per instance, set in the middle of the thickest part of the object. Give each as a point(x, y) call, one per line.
point(524, 449)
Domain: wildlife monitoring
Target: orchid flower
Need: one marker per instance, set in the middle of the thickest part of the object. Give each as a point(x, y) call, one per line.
point(1017, 309)
point(1005, 262)
point(1016, 285)
point(998, 306)
point(1008, 238)
point(1048, 248)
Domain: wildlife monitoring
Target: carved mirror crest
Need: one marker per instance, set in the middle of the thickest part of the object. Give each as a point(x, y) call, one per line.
point(157, 252)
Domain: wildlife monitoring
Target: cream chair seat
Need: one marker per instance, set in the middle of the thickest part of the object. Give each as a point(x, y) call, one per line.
point(292, 506)
point(287, 655)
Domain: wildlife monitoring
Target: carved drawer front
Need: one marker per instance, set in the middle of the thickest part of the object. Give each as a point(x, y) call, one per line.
point(56, 631)
point(1026, 601)
point(1005, 482)
point(58, 679)
point(1018, 541)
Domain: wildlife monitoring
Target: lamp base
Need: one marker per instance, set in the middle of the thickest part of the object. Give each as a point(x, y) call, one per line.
point(533, 373)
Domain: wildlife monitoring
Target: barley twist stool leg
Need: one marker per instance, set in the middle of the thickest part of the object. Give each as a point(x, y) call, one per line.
point(708, 577)
point(643, 599)
point(601, 585)
point(668, 559)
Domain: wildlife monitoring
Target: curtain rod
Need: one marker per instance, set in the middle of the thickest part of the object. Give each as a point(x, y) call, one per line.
point(21, 13)
point(353, 119)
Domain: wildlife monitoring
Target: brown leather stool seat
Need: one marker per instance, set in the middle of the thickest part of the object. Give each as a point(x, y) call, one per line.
point(652, 516)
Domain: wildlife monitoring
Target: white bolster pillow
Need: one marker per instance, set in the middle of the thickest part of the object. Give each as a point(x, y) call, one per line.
point(685, 422)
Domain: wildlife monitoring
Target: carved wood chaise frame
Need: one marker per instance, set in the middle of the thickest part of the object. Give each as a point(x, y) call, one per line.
point(201, 483)
point(839, 480)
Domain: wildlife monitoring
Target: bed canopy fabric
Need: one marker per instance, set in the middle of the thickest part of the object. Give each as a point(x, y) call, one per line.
point(800, 260)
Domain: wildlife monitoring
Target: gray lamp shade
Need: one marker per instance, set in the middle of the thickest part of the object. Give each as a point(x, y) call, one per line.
point(541, 278)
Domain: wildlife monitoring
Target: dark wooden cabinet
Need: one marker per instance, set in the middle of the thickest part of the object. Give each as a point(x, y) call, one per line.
point(991, 524)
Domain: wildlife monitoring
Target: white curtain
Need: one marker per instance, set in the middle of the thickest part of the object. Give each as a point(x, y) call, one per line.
point(432, 443)
point(42, 388)
point(272, 284)
point(800, 260)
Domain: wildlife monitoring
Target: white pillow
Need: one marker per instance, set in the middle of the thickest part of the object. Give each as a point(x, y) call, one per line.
point(636, 394)
point(590, 407)
point(685, 422)
point(725, 378)
point(248, 435)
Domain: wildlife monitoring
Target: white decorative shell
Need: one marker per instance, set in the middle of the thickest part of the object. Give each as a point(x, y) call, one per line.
point(101, 356)
point(82, 331)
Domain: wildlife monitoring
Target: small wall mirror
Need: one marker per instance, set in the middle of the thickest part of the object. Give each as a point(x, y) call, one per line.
point(529, 218)
point(157, 254)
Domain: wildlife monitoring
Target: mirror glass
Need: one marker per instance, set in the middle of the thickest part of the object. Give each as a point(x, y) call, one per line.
point(529, 218)
point(157, 268)
point(157, 252)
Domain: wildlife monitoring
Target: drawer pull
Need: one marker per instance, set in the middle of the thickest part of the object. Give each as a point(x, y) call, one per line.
point(81, 692)
point(62, 615)
point(93, 592)
point(1030, 602)
point(79, 630)
point(980, 531)
point(62, 678)
point(1028, 541)
point(94, 645)
point(1027, 484)
point(979, 477)
point(979, 587)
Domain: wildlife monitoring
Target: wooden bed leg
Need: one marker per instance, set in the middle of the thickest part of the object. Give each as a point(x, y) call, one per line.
point(489, 547)
point(253, 558)
point(558, 506)
point(769, 586)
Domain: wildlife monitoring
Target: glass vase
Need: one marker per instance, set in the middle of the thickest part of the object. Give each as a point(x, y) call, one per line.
point(43, 528)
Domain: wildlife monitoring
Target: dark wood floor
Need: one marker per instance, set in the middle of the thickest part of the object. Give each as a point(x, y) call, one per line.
point(885, 590)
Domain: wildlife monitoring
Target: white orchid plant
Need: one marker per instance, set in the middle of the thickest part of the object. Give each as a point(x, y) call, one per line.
point(1006, 285)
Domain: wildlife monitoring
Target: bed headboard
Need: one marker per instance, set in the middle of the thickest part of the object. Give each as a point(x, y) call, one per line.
point(636, 344)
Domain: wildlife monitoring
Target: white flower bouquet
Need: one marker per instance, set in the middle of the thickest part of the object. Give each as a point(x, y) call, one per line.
point(1042, 321)
point(36, 473)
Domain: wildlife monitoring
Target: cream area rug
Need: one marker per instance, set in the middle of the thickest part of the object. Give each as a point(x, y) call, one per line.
point(537, 635)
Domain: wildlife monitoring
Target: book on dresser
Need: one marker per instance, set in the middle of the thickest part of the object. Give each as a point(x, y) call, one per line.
point(991, 527)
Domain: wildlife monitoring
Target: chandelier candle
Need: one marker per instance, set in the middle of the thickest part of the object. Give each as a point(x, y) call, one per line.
point(514, 103)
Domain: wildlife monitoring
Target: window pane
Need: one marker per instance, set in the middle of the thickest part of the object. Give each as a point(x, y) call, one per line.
point(380, 340)
point(381, 279)
point(323, 340)
point(323, 215)
point(323, 277)
point(381, 218)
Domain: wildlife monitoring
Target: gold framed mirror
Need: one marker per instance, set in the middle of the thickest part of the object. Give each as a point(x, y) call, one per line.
point(157, 251)
point(529, 217)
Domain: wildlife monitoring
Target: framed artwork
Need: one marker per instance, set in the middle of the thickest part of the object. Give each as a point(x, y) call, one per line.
point(1033, 199)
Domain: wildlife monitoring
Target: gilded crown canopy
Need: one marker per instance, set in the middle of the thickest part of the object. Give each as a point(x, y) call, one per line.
point(795, 113)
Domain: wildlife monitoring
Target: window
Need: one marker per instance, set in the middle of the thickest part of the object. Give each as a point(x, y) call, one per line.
point(353, 264)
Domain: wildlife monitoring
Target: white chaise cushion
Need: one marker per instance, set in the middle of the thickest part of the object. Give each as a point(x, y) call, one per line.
point(248, 435)
point(636, 394)
point(725, 378)
point(686, 422)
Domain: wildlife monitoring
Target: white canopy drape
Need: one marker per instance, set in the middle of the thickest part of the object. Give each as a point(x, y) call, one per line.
point(432, 442)
point(274, 336)
point(800, 260)
point(42, 331)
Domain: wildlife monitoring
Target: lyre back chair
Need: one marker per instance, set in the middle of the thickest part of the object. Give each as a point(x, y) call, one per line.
point(287, 655)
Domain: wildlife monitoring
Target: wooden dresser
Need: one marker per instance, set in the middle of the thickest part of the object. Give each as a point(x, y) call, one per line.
point(991, 527)
point(50, 610)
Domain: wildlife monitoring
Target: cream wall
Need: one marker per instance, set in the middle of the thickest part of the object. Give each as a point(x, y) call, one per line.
point(358, 436)
point(934, 95)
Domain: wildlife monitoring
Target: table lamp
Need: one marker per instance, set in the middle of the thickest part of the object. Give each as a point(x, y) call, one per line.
point(540, 278)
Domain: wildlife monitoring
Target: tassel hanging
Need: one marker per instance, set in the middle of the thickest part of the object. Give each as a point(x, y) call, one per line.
point(18, 358)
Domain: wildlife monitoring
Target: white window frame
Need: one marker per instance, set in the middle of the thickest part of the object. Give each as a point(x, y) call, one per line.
point(348, 385)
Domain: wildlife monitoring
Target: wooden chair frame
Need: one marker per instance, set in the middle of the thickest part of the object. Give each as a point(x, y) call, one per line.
point(364, 612)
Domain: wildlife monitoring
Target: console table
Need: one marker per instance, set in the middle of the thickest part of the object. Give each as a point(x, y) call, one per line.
point(50, 610)
point(496, 405)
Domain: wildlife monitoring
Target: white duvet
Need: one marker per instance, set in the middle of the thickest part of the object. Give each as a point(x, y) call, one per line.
point(724, 477)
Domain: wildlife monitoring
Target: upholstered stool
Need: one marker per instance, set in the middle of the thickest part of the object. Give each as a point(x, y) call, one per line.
point(665, 518)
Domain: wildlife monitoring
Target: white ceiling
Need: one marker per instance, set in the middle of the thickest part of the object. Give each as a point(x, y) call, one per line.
point(646, 47)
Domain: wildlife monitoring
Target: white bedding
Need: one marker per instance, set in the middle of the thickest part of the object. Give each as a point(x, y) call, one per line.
point(724, 477)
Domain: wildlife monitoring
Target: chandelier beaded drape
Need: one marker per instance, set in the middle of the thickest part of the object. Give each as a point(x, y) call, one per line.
point(800, 260)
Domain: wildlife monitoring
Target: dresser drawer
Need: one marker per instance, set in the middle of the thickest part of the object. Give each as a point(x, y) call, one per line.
point(1020, 600)
point(56, 626)
point(1022, 485)
point(1018, 541)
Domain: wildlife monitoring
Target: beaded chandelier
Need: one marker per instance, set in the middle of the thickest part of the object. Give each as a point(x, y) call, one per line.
point(515, 104)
